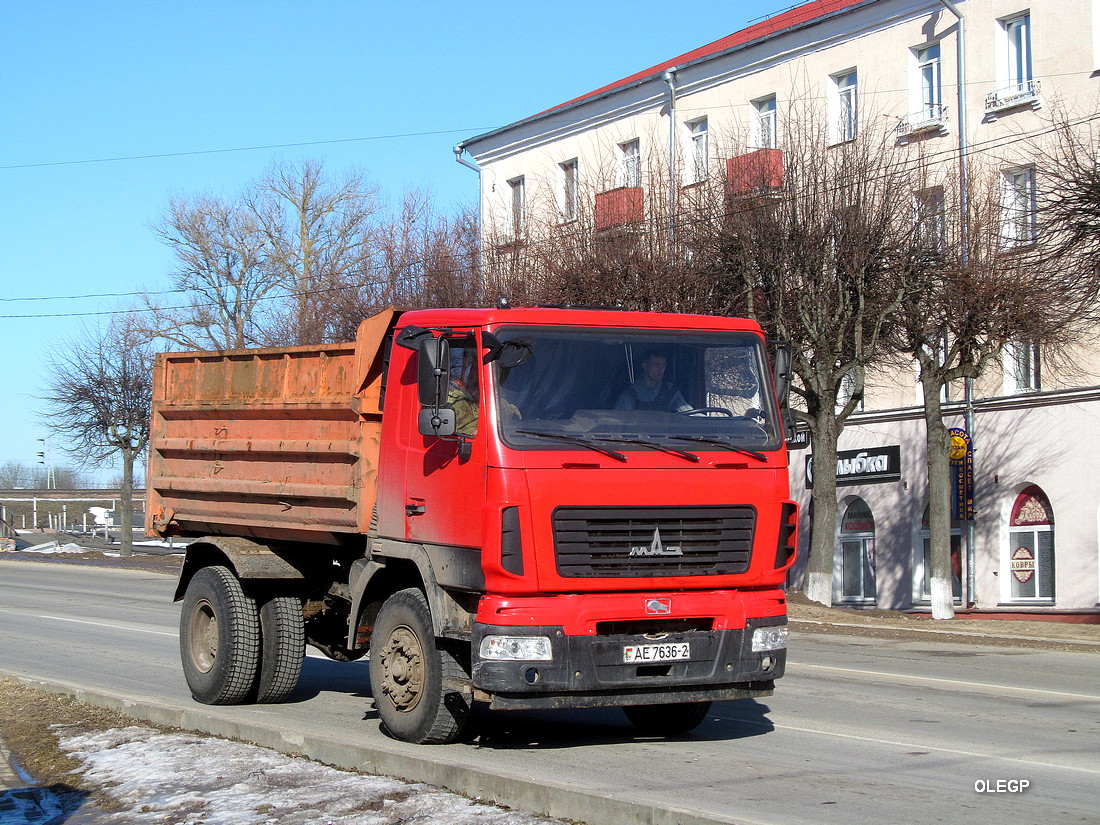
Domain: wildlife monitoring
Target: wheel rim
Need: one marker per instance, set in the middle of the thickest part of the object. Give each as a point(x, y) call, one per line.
point(203, 636)
point(403, 669)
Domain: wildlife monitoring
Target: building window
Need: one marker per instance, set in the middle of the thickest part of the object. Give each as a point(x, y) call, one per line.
point(697, 151)
point(847, 106)
point(847, 391)
point(1016, 84)
point(568, 191)
point(764, 132)
point(928, 66)
point(630, 163)
point(1022, 367)
point(519, 207)
point(1017, 32)
point(923, 571)
point(857, 553)
point(1018, 207)
point(930, 217)
point(1031, 548)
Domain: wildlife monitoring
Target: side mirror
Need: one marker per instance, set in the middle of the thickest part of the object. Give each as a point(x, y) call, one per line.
point(432, 367)
point(507, 354)
point(433, 360)
point(438, 422)
point(784, 358)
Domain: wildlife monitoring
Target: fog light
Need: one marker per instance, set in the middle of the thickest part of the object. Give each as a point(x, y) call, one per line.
point(769, 638)
point(516, 648)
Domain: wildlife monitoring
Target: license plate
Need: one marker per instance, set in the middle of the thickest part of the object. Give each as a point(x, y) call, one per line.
point(671, 652)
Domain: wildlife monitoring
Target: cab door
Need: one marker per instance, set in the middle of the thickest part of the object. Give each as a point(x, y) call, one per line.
point(445, 477)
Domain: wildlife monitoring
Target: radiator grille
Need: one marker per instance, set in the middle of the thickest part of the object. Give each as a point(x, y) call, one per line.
point(620, 542)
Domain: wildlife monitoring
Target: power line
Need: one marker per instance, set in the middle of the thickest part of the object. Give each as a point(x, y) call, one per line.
point(239, 149)
point(976, 148)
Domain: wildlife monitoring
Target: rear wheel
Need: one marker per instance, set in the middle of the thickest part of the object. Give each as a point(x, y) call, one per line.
point(408, 669)
point(219, 638)
point(667, 720)
point(283, 647)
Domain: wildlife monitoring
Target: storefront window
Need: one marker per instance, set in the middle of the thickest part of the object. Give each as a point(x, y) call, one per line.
point(857, 553)
point(1031, 548)
point(923, 569)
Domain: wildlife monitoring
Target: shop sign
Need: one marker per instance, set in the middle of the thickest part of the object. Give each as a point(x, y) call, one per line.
point(962, 475)
point(870, 466)
point(1023, 564)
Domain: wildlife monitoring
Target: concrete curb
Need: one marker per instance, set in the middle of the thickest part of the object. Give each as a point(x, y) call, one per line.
point(515, 790)
point(977, 636)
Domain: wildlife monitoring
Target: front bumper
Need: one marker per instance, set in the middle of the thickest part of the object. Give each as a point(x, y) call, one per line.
point(588, 671)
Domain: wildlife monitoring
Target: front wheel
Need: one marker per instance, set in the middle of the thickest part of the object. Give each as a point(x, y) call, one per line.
point(667, 720)
point(219, 638)
point(407, 671)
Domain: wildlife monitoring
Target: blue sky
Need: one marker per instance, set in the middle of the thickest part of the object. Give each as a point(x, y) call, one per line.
point(81, 82)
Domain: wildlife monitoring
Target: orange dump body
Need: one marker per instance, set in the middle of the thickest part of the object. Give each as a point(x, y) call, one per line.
point(276, 443)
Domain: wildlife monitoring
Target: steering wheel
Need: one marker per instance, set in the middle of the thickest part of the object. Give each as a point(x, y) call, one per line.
point(696, 410)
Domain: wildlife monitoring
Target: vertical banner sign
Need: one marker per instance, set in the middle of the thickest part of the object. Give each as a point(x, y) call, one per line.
point(962, 473)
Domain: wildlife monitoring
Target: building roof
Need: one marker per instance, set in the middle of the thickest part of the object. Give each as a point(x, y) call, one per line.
point(797, 16)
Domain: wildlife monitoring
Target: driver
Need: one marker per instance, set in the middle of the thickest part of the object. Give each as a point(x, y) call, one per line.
point(650, 391)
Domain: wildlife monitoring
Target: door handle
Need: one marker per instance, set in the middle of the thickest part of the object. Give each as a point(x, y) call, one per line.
point(415, 509)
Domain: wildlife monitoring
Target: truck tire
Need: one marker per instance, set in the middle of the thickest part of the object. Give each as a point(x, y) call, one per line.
point(667, 720)
point(282, 648)
point(408, 669)
point(219, 638)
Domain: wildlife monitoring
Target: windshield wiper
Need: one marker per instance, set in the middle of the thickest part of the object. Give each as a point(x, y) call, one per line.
point(653, 445)
point(719, 443)
point(576, 440)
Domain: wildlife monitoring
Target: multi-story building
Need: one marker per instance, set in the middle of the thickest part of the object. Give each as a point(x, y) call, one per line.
point(630, 149)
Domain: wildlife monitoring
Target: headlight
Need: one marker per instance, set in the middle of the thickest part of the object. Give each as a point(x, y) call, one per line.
point(517, 648)
point(769, 638)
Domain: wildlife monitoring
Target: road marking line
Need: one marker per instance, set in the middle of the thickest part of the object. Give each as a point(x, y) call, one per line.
point(910, 745)
point(94, 624)
point(955, 682)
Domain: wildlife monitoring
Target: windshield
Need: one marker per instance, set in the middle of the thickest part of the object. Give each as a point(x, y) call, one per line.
point(636, 389)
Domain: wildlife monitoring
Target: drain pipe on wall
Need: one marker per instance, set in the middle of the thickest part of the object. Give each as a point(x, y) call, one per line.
point(458, 150)
point(670, 79)
point(964, 243)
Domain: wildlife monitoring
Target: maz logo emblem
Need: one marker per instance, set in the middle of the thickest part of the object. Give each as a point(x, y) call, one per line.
point(656, 547)
point(658, 606)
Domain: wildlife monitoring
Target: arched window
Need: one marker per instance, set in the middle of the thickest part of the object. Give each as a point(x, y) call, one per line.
point(1031, 547)
point(922, 572)
point(857, 553)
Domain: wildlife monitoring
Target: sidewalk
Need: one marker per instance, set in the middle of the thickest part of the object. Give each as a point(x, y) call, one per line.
point(810, 617)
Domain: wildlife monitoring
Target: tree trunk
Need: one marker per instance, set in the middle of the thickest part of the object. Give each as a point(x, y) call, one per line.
point(938, 448)
point(126, 499)
point(819, 564)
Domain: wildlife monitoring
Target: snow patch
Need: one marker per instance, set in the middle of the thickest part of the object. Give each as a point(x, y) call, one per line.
point(159, 778)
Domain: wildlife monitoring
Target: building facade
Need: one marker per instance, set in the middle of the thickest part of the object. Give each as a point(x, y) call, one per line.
point(630, 150)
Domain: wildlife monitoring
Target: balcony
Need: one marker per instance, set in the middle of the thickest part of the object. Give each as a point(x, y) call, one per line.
point(620, 207)
point(932, 120)
point(755, 172)
point(1012, 97)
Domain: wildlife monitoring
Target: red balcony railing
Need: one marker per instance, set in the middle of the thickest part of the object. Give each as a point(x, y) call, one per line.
point(621, 206)
point(756, 171)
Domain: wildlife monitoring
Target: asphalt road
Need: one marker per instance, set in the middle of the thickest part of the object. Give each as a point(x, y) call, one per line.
point(860, 730)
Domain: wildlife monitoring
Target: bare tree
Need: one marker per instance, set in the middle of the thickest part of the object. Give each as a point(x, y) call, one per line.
point(15, 476)
point(222, 282)
point(989, 285)
point(316, 231)
point(819, 252)
point(418, 258)
point(262, 268)
point(98, 402)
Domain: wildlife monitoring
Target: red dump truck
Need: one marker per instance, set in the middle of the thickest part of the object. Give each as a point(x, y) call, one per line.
point(524, 507)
